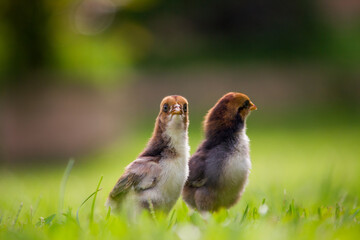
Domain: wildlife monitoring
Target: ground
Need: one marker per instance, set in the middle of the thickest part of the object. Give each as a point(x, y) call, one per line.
point(304, 185)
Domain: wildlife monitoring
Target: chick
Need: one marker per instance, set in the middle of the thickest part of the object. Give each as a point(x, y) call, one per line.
point(220, 167)
point(155, 179)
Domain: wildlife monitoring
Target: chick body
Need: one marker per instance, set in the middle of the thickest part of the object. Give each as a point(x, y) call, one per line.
point(155, 179)
point(174, 170)
point(220, 167)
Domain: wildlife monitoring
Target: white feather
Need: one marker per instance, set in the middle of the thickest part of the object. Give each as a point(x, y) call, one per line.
point(238, 166)
point(174, 171)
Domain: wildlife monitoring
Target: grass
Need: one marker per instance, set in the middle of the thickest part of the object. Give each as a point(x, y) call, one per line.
point(304, 185)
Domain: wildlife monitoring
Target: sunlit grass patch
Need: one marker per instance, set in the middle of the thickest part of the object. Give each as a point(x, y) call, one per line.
point(303, 185)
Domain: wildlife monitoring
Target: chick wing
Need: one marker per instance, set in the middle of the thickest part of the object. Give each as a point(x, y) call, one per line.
point(141, 174)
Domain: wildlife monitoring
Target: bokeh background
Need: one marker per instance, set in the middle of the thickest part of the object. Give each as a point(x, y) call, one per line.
point(84, 79)
point(78, 75)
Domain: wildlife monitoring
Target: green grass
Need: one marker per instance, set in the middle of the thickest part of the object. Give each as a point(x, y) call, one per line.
point(304, 185)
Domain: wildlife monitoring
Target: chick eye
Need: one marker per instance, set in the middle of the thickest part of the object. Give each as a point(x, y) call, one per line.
point(246, 104)
point(166, 107)
point(185, 107)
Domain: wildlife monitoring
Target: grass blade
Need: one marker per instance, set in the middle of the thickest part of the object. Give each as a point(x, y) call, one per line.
point(18, 213)
point(45, 221)
point(49, 219)
point(63, 184)
point(171, 219)
point(93, 203)
point(245, 213)
point(34, 209)
point(77, 212)
point(319, 212)
point(108, 214)
point(337, 211)
point(355, 213)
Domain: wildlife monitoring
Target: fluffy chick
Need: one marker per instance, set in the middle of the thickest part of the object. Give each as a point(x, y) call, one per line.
point(159, 173)
point(220, 167)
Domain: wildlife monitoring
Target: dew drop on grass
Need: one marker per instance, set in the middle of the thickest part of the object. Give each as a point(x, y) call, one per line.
point(188, 232)
point(263, 209)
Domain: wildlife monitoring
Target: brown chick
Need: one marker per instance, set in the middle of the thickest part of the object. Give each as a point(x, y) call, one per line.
point(159, 173)
point(220, 167)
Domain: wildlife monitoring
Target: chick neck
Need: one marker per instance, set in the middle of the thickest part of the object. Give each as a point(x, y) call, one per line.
point(221, 131)
point(166, 139)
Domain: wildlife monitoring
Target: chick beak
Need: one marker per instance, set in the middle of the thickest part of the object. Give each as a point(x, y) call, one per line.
point(252, 106)
point(176, 110)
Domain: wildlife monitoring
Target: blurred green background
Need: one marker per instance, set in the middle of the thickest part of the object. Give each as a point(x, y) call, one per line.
point(78, 75)
point(84, 80)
